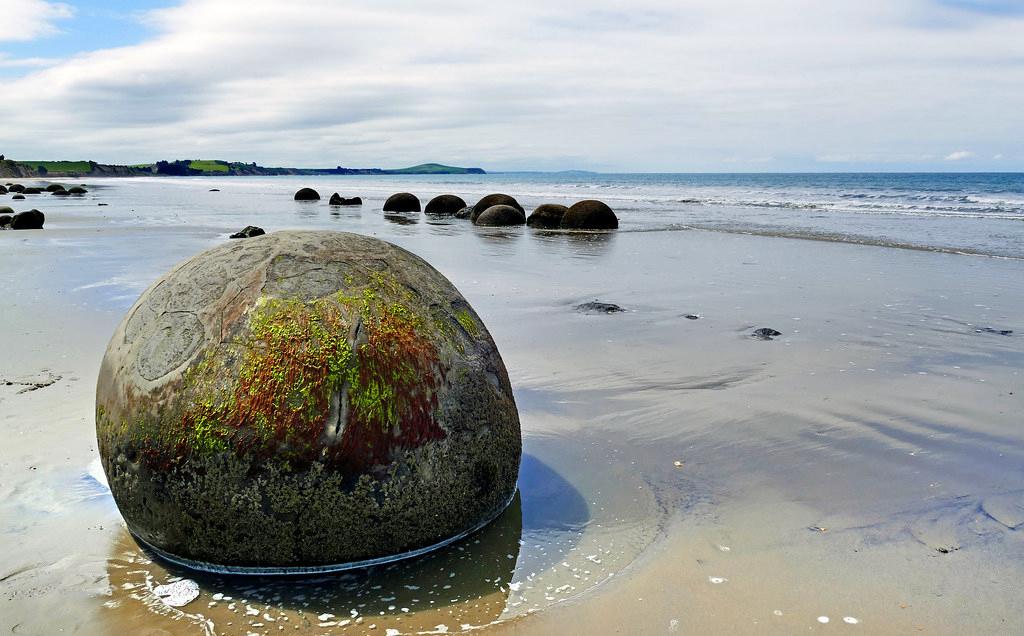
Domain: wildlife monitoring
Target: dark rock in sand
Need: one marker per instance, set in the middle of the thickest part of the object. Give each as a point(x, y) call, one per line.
point(589, 215)
point(495, 199)
point(691, 316)
point(337, 199)
point(599, 308)
point(54, 187)
point(102, 204)
point(30, 220)
point(16, 187)
point(79, 190)
point(547, 216)
point(214, 189)
point(445, 205)
point(307, 194)
point(61, 193)
point(765, 333)
point(249, 232)
point(402, 202)
point(19, 197)
point(306, 399)
point(5, 221)
point(465, 213)
point(998, 332)
point(498, 215)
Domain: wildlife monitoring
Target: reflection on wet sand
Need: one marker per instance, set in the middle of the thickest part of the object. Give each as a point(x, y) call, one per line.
point(583, 245)
point(493, 575)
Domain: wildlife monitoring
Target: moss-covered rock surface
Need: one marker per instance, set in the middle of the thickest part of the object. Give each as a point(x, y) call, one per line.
point(303, 399)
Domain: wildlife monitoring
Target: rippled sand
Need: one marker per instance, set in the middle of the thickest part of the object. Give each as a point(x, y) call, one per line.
point(865, 467)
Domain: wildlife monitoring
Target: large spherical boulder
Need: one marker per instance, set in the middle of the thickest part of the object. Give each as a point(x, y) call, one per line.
point(61, 193)
point(6, 210)
point(3, 190)
point(53, 187)
point(445, 205)
point(547, 216)
point(5, 220)
point(16, 187)
point(18, 197)
point(494, 199)
point(30, 220)
point(32, 191)
point(589, 215)
point(81, 190)
point(307, 194)
point(304, 400)
point(501, 215)
point(402, 202)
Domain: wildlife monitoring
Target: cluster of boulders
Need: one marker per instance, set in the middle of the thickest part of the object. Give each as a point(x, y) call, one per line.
point(55, 189)
point(493, 210)
point(30, 220)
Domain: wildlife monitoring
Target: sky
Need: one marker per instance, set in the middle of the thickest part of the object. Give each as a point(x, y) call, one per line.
point(638, 86)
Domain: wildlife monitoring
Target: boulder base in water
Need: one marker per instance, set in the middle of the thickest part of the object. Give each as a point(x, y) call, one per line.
point(303, 400)
point(494, 199)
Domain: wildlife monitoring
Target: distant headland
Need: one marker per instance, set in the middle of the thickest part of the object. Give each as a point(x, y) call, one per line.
point(198, 167)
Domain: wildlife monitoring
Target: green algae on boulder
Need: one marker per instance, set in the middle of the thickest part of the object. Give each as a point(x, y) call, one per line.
point(304, 401)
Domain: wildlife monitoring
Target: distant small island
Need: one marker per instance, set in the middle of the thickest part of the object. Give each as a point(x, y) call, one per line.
point(198, 167)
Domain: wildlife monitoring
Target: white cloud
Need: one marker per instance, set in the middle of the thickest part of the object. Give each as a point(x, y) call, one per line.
point(24, 20)
point(959, 155)
point(659, 85)
point(7, 61)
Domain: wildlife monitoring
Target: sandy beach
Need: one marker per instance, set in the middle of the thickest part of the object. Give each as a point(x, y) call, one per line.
point(862, 472)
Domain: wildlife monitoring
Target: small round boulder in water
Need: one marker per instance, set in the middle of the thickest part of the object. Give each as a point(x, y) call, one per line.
point(494, 199)
point(304, 401)
point(402, 202)
point(445, 205)
point(307, 194)
point(547, 216)
point(54, 187)
point(501, 215)
point(589, 215)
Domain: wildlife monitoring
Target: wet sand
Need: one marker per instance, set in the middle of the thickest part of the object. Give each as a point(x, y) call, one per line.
point(680, 476)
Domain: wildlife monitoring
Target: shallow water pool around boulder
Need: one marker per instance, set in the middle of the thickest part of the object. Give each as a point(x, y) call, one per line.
point(303, 401)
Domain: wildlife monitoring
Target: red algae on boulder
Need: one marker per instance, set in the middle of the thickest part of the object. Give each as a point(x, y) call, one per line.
point(304, 401)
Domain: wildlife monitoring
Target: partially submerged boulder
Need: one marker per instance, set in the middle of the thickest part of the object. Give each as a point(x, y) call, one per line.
point(5, 221)
point(498, 215)
point(32, 191)
point(307, 194)
point(547, 216)
point(16, 187)
point(18, 197)
point(54, 187)
point(81, 190)
point(589, 215)
point(465, 213)
point(61, 193)
point(3, 190)
point(248, 232)
point(337, 199)
point(6, 209)
point(304, 401)
point(30, 220)
point(445, 205)
point(495, 199)
point(402, 202)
